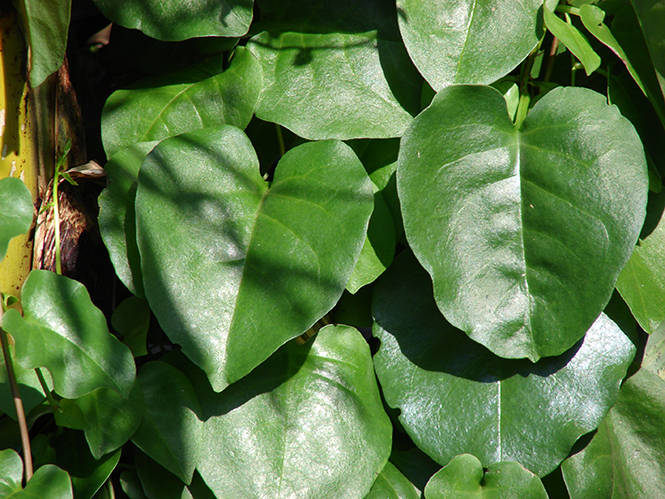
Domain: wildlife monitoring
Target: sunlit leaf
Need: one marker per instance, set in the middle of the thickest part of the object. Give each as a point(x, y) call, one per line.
point(16, 211)
point(626, 457)
point(46, 32)
point(575, 41)
point(175, 20)
point(641, 281)
point(364, 84)
point(468, 41)
point(464, 477)
point(63, 331)
point(536, 223)
point(307, 423)
point(201, 96)
point(456, 397)
point(48, 481)
point(232, 269)
point(11, 472)
point(391, 484)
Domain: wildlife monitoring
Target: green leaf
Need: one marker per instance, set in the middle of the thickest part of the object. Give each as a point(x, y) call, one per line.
point(50, 482)
point(359, 80)
point(108, 419)
point(640, 282)
point(592, 17)
point(468, 41)
point(628, 32)
point(16, 211)
point(307, 423)
point(46, 25)
point(536, 224)
point(117, 218)
point(131, 484)
point(651, 15)
point(171, 432)
point(201, 96)
point(654, 353)
point(379, 247)
point(156, 481)
point(87, 474)
point(173, 20)
point(11, 472)
point(464, 478)
point(391, 484)
point(233, 270)
point(443, 382)
point(63, 331)
point(132, 319)
point(626, 457)
point(574, 41)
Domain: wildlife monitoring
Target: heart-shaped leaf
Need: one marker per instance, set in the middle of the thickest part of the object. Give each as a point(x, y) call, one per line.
point(175, 20)
point(364, 84)
point(201, 96)
point(117, 218)
point(232, 269)
point(63, 331)
point(464, 477)
point(48, 481)
point(16, 211)
point(171, 431)
point(640, 282)
point(307, 423)
point(524, 231)
point(391, 484)
point(468, 41)
point(626, 457)
point(457, 397)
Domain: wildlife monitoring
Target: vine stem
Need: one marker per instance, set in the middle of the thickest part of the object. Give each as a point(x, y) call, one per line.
point(18, 402)
point(550, 60)
point(280, 140)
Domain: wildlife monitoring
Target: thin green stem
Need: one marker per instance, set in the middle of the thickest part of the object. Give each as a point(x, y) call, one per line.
point(568, 9)
point(18, 402)
point(111, 490)
point(49, 397)
point(280, 140)
point(522, 108)
point(56, 221)
point(550, 60)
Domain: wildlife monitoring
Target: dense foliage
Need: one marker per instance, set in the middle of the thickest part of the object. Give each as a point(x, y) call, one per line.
point(367, 250)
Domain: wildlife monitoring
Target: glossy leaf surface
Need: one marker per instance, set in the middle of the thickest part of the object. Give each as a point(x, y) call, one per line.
point(626, 457)
point(535, 225)
point(175, 20)
point(307, 423)
point(11, 472)
point(391, 484)
point(464, 477)
point(48, 481)
point(201, 96)
point(510, 410)
point(359, 80)
point(641, 281)
point(170, 403)
point(233, 270)
point(63, 331)
point(47, 29)
point(16, 211)
point(468, 41)
point(117, 217)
